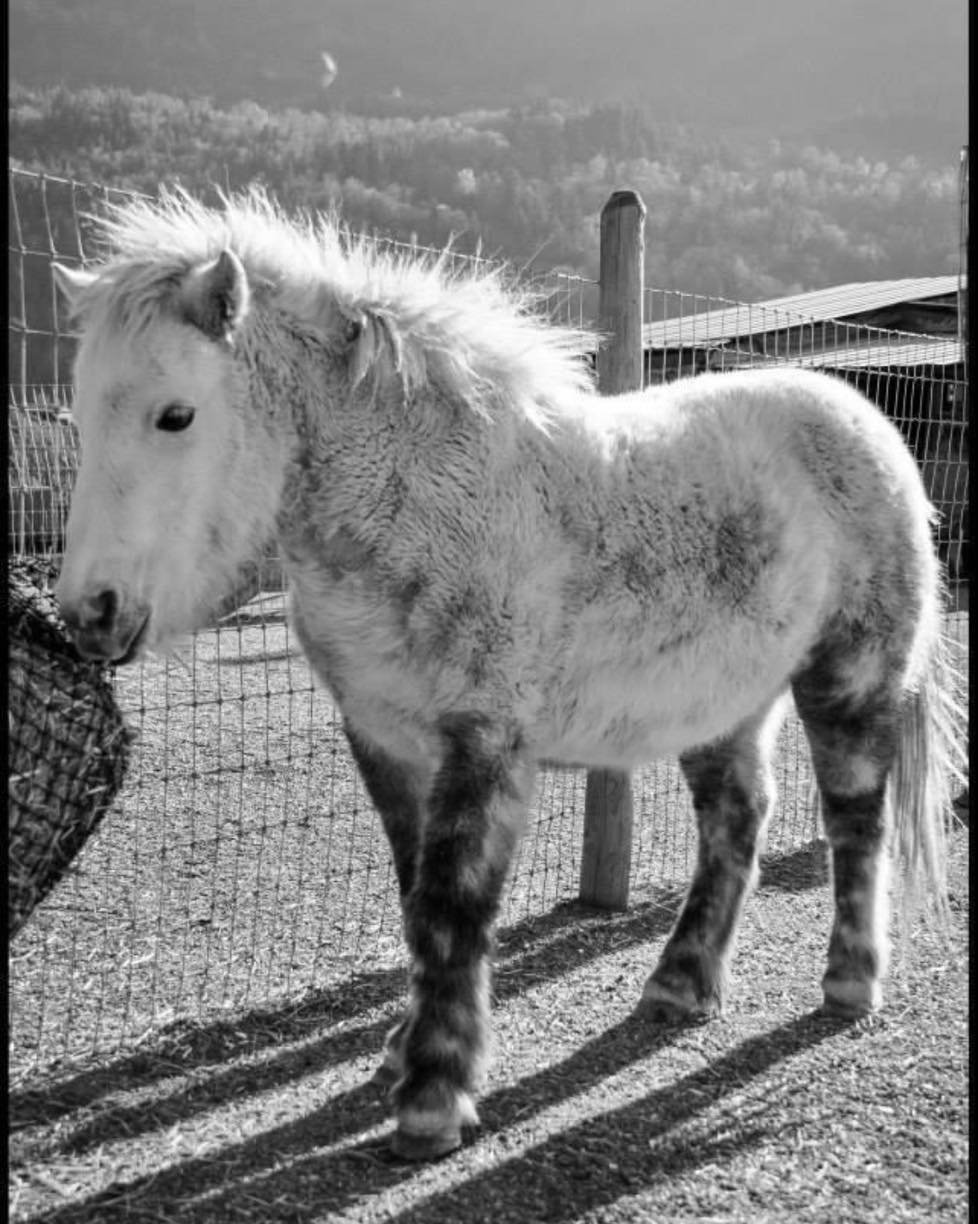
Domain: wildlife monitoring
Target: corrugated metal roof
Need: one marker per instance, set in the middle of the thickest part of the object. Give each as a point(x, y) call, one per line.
point(888, 356)
point(908, 353)
point(822, 305)
point(840, 301)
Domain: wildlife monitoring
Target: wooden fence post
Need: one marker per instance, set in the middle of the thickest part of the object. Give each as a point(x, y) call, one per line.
point(606, 855)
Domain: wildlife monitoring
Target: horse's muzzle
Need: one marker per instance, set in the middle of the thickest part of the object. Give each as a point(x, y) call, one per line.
point(106, 626)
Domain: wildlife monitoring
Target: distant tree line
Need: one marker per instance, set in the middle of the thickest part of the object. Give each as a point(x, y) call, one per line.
point(739, 219)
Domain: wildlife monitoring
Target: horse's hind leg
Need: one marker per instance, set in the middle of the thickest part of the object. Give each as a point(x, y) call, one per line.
point(853, 738)
point(733, 794)
point(475, 812)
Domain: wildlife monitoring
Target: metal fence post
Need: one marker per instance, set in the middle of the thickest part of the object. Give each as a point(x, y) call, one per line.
point(607, 851)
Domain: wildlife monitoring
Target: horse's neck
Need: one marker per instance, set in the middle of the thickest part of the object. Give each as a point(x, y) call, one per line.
point(341, 476)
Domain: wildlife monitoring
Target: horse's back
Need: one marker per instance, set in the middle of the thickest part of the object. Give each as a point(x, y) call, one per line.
point(738, 419)
point(743, 522)
point(806, 446)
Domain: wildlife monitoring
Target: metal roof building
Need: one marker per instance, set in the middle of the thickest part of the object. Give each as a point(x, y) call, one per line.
point(907, 322)
point(916, 352)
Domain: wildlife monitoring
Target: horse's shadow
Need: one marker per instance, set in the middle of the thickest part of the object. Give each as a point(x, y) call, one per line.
point(800, 869)
point(288, 1161)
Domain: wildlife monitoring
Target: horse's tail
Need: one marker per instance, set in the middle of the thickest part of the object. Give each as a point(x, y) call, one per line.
point(931, 764)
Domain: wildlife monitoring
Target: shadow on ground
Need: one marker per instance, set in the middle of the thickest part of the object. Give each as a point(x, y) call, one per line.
point(288, 1179)
point(283, 1173)
point(529, 953)
point(806, 867)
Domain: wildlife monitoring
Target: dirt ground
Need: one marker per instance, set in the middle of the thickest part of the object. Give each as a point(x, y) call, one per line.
point(196, 1014)
point(591, 1113)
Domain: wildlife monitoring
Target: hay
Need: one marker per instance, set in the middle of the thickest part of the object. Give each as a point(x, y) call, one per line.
point(68, 744)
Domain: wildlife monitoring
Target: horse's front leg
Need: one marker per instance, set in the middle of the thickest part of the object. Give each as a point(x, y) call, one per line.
point(396, 790)
point(475, 813)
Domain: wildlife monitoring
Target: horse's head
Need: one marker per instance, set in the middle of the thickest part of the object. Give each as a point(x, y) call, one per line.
point(176, 484)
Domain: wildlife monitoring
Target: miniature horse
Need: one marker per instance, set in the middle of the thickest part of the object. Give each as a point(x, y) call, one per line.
point(490, 566)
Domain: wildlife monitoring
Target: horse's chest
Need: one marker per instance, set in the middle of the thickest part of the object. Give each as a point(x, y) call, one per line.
point(356, 645)
point(351, 638)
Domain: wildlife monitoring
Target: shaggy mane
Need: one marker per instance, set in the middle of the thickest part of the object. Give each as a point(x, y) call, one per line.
point(469, 328)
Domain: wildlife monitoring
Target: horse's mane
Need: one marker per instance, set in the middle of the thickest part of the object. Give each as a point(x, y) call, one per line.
point(465, 324)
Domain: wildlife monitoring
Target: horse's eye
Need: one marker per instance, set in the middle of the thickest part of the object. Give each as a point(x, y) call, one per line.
point(175, 417)
point(354, 329)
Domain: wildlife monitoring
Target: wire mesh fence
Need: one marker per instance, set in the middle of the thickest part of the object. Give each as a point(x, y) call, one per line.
point(242, 862)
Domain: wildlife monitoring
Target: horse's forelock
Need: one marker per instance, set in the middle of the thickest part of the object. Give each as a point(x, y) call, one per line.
point(127, 299)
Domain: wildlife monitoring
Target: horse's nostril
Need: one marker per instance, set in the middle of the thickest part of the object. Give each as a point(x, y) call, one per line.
point(101, 610)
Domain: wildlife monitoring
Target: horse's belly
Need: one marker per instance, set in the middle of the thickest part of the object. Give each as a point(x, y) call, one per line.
point(616, 740)
point(623, 717)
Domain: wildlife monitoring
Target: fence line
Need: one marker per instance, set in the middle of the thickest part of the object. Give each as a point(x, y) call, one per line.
point(243, 863)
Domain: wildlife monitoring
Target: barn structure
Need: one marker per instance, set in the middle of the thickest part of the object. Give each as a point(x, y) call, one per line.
point(818, 328)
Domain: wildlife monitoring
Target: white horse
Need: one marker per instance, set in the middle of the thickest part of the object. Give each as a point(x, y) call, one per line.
point(491, 566)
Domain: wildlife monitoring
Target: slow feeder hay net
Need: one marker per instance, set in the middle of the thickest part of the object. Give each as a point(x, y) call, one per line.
point(68, 743)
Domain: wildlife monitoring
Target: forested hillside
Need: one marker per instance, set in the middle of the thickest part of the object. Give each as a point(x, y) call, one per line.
point(728, 216)
point(891, 73)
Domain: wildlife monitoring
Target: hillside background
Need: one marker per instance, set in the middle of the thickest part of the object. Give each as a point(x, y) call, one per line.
point(798, 147)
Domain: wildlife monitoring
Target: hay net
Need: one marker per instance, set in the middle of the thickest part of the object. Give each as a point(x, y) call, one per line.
point(68, 744)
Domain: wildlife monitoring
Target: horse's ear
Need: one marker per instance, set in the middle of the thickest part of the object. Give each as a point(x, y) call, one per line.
point(215, 296)
point(372, 338)
point(72, 282)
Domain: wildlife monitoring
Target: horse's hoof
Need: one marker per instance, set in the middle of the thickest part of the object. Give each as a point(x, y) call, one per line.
point(666, 1006)
point(426, 1145)
point(432, 1126)
point(850, 1000)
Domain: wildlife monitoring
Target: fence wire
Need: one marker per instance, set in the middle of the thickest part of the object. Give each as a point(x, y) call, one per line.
point(242, 863)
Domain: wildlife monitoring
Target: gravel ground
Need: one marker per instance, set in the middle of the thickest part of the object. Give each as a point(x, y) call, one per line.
point(196, 1013)
point(772, 1113)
